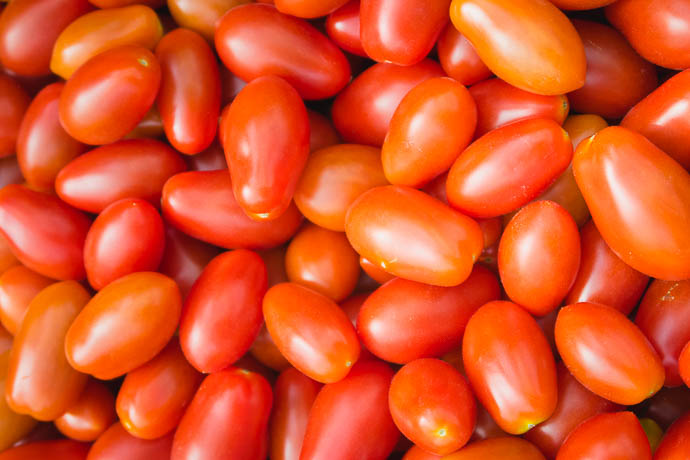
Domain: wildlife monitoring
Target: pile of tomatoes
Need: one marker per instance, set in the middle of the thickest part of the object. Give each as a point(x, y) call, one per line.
point(345, 230)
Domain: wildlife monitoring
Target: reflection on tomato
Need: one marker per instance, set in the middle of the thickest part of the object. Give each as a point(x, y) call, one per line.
point(116, 443)
point(343, 28)
point(18, 286)
point(308, 8)
point(13, 104)
point(459, 59)
point(13, 426)
point(90, 415)
point(201, 15)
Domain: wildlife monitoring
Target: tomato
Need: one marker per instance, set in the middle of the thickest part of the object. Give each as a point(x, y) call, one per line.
point(669, 404)
point(7, 259)
point(125, 324)
point(103, 30)
point(580, 127)
point(294, 395)
point(126, 237)
point(63, 449)
point(417, 453)
point(505, 448)
point(405, 320)
point(201, 15)
point(607, 353)
point(662, 117)
point(258, 40)
point(13, 103)
point(150, 127)
point(684, 364)
point(211, 159)
point(90, 415)
point(222, 314)
point(44, 233)
point(322, 133)
point(117, 444)
point(202, 205)
point(433, 124)
point(5, 340)
point(508, 167)
point(539, 256)
point(528, 43)
point(343, 27)
point(311, 331)
point(653, 432)
point(676, 443)
point(126, 169)
point(18, 286)
point(581, 4)
point(265, 136)
point(184, 258)
point(10, 172)
point(227, 418)
point(108, 96)
point(308, 8)
point(617, 435)
point(375, 272)
point(486, 427)
point(153, 397)
point(499, 104)
point(40, 381)
point(639, 199)
point(13, 426)
point(119, 3)
point(265, 351)
point(459, 59)
point(376, 93)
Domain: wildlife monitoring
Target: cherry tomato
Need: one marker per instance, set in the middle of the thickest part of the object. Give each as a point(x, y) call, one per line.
point(103, 30)
point(459, 59)
point(580, 127)
point(639, 199)
point(90, 415)
point(375, 94)
point(184, 258)
point(44, 233)
point(675, 445)
point(265, 351)
point(417, 453)
point(581, 4)
point(405, 320)
point(350, 419)
point(117, 444)
point(201, 15)
point(211, 159)
point(486, 426)
point(343, 27)
point(13, 103)
point(308, 8)
point(528, 43)
point(18, 286)
point(505, 448)
point(374, 271)
point(13, 426)
point(63, 449)
point(227, 418)
point(125, 324)
point(126, 169)
point(684, 364)
point(222, 314)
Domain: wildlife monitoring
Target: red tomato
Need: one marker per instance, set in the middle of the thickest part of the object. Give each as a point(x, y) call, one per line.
point(417, 453)
point(258, 40)
point(44, 233)
point(90, 415)
point(606, 437)
point(18, 286)
point(265, 351)
point(375, 94)
point(486, 426)
point(405, 320)
point(126, 237)
point(150, 127)
point(375, 272)
point(459, 59)
point(119, 3)
point(211, 159)
point(108, 95)
point(311, 331)
point(201, 15)
point(581, 4)
point(343, 27)
point(227, 418)
point(675, 445)
point(265, 136)
point(639, 199)
point(63, 449)
point(116, 444)
point(607, 353)
point(308, 8)
point(350, 419)
point(125, 169)
point(7, 259)
point(222, 314)
point(508, 167)
point(539, 256)
point(13, 103)
point(668, 405)
point(10, 172)
point(13, 426)
point(504, 448)
point(125, 324)
point(322, 133)
point(684, 364)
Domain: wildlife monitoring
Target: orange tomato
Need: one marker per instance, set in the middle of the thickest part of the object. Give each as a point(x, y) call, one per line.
point(90, 415)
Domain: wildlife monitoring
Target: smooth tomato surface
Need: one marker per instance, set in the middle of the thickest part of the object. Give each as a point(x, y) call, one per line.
point(505, 448)
point(676, 442)
point(13, 426)
point(308, 8)
point(116, 443)
point(343, 27)
point(18, 286)
point(13, 104)
point(458, 57)
point(90, 415)
point(63, 449)
point(201, 15)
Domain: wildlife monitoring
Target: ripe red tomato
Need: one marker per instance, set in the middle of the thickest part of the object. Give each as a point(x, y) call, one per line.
point(265, 351)
point(486, 426)
point(13, 426)
point(375, 272)
point(116, 443)
point(581, 4)
point(675, 444)
point(308, 8)
point(150, 127)
point(201, 15)
point(63, 449)
point(458, 57)
point(669, 404)
point(505, 448)
point(10, 173)
point(90, 415)
point(120, 3)
point(13, 101)
point(322, 133)
point(18, 286)
point(684, 364)
point(343, 27)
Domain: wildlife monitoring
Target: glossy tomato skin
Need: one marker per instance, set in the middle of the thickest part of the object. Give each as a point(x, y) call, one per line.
point(102, 30)
point(580, 127)
point(125, 324)
point(417, 453)
point(10, 173)
point(289, 48)
point(607, 353)
point(126, 237)
point(676, 442)
point(343, 27)
point(13, 101)
point(189, 98)
point(322, 133)
point(109, 95)
point(116, 443)
point(458, 57)
point(581, 4)
point(431, 243)
point(40, 381)
point(684, 364)
point(44, 233)
point(405, 320)
point(201, 16)
point(202, 205)
point(90, 415)
point(227, 418)
point(265, 136)
point(374, 271)
point(13, 426)
point(344, 410)
point(529, 44)
point(135, 168)
point(508, 167)
point(18, 286)
point(63, 449)
point(311, 331)
point(222, 314)
point(505, 448)
point(639, 199)
point(377, 92)
point(607, 436)
point(510, 366)
point(308, 8)
point(150, 127)
point(120, 3)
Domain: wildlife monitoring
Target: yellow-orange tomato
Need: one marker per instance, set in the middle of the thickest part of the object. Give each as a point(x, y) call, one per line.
point(13, 426)
point(91, 415)
point(201, 15)
point(18, 286)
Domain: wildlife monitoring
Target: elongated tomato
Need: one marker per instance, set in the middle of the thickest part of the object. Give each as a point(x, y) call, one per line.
point(90, 415)
point(343, 27)
point(458, 57)
point(62, 449)
point(116, 442)
point(18, 286)
point(14, 102)
point(13, 426)
point(505, 448)
point(201, 16)
point(309, 8)
point(676, 442)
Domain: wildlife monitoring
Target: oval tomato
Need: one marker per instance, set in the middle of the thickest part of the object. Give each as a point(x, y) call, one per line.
point(308, 8)
point(459, 59)
point(343, 27)
point(505, 448)
point(684, 364)
point(18, 286)
point(201, 15)
point(9, 174)
point(581, 4)
point(116, 443)
point(322, 133)
point(150, 127)
point(90, 415)
point(63, 449)
point(375, 272)
point(13, 104)
point(676, 442)
point(120, 3)
point(13, 426)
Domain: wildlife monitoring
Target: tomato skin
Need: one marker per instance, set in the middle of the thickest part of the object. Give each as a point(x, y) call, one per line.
point(676, 442)
point(308, 9)
point(580, 127)
point(522, 159)
point(18, 286)
point(125, 325)
point(227, 418)
point(44, 233)
point(377, 92)
point(581, 4)
point(505, 448)
point(201, 15)
point(459, 59)
point(264, 350)
point(116, 443)
point(62, 449)
point(222, 314)
point(684, 364)
point(605, 437)
point(103, 30)
point(344, 410)
point(417, 453)
point(405, 320)
point(288, 47)
point(126, 237)
point(120, 3)
point(135, 168)
point(311, 331)
point(13, 426)
point(9, 174)
point(90, 415)
point(202, 205)
point(265, 136)
point(343, 27)
point(639, 199)
point(322, 133)
point(545, 56)
point(13, 104)
point(375, 272)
